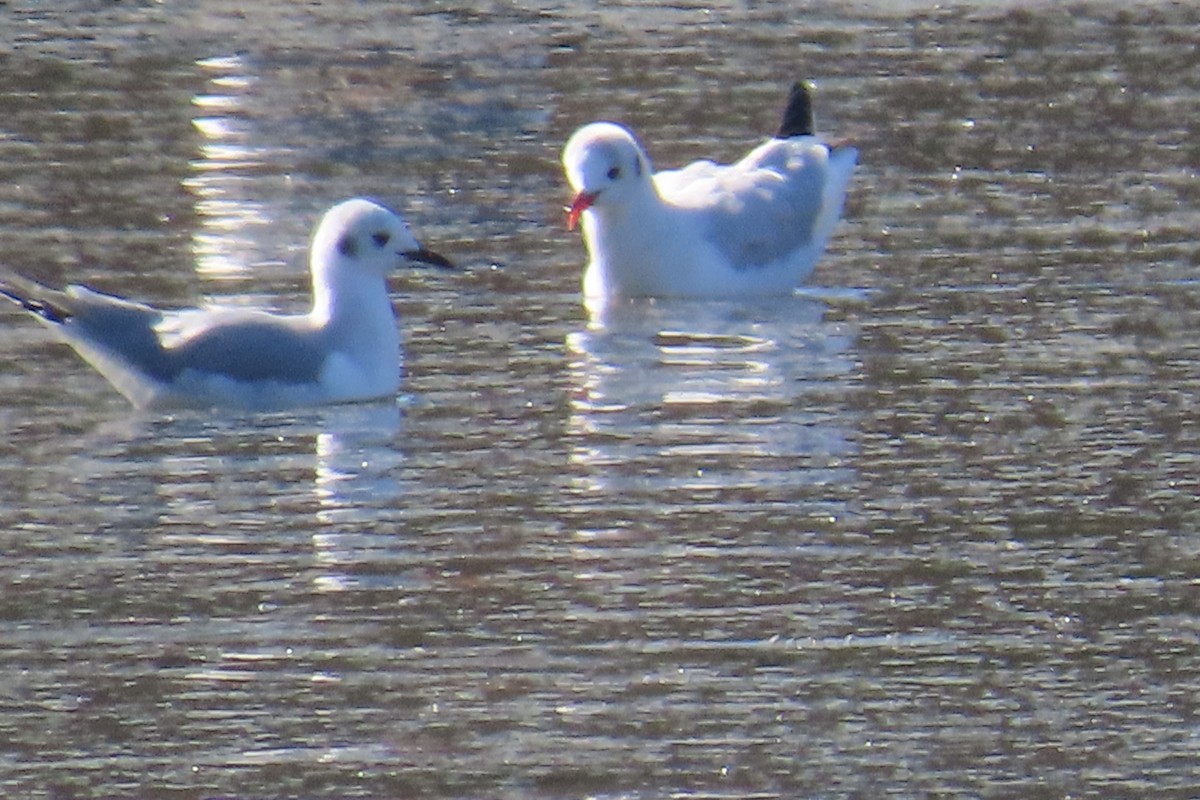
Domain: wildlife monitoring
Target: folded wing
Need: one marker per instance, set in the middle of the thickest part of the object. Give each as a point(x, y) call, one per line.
point(761, 210)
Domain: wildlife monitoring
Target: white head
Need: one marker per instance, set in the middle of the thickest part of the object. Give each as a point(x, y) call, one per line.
point(604, 165)
point(363, 235)
point(356, 244)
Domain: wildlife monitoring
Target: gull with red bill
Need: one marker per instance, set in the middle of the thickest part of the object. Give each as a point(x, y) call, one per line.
point(754, 228)
point(346, 348)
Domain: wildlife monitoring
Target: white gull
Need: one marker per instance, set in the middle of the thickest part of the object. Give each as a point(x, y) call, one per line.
point(346, 348)
point(753, 228)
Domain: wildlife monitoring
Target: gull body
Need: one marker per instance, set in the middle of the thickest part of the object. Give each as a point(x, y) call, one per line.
point(752, 228)
point(345, 348)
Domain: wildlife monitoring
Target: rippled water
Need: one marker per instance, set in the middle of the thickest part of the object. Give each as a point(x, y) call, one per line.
point(926, 529)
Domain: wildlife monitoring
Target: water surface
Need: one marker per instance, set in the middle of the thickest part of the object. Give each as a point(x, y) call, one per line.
point(926, 529)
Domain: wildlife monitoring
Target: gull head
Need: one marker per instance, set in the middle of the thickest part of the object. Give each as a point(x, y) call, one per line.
point(361, 235)
point(604, 165)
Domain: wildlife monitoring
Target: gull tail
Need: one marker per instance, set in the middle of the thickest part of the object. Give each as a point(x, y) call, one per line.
point(798, 116)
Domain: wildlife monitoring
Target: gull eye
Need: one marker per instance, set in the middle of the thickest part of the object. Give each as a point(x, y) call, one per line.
point(614, 173)
point(382, 238)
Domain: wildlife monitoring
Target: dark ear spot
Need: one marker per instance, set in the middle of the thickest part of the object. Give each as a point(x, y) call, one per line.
point(381, 238)
point(347, 246)
point(637, 165)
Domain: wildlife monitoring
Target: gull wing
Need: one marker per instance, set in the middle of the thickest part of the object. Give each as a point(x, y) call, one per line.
point(242, 345)
point(120, 336)
point(763, 209)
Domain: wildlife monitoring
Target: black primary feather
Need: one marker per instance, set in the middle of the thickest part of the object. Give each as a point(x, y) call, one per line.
point(43, 308)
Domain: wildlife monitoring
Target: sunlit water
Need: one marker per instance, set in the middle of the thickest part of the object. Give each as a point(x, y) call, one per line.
point(926, 529)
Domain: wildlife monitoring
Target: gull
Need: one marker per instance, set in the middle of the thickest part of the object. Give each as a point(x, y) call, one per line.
point(346, 348)
point(749, 229)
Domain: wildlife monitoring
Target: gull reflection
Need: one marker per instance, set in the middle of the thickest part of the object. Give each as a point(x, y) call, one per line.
point(317, 481)
point(700, 396)
point(356, 459)
point(357, 486)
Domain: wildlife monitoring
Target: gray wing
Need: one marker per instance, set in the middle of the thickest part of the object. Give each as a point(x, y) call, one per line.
point(81, 315)
point(242, 345)
point(760, 210)
point(245, 346)
point(122, 328)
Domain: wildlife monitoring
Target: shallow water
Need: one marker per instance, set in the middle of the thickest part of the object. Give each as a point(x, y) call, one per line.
point(926, 529)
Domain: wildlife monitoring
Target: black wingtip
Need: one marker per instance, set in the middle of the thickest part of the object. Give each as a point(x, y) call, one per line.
point(43, 308)
point(798, 116)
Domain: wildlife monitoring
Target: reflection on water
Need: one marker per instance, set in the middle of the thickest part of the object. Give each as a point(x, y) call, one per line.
point(359, 456)
point(226, 172)
point(933, 538)
point(720, 392)
point(338, 464)
point(356, 457)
